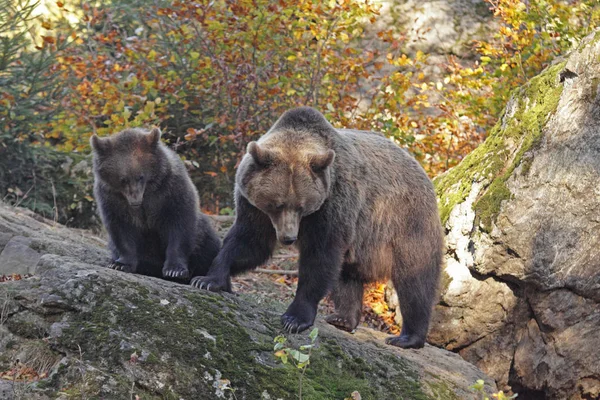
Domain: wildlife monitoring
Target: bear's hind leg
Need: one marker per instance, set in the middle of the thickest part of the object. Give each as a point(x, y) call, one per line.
point(347, 297)
point(416, 289)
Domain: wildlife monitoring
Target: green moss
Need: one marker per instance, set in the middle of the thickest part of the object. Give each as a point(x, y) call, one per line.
point(441, 390)
point(187, 344)
point(496, 159)
point(445, 281)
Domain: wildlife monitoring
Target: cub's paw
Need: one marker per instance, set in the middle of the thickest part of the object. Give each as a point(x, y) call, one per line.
point(295, 324)
point(116, 265)
point(406, 341)
point(211, 283)
point(341, 322)
point(175, 271)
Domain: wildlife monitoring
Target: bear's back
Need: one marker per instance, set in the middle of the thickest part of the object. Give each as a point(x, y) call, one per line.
point(372, 156)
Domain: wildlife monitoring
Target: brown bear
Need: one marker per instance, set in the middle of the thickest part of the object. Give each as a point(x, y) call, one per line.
point(359, 208)
point(150, 207)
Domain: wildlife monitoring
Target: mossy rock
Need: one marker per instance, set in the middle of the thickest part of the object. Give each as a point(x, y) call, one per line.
point(109, 334)
point(518, 132)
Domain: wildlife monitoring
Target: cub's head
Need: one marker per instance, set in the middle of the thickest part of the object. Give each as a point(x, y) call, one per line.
point(127, 161)
point(286, 181)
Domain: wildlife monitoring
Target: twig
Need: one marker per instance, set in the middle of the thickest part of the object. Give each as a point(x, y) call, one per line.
point(24, 196)
point(82, 371)
point(4, 310)
point(54, 199)
point(276, 271)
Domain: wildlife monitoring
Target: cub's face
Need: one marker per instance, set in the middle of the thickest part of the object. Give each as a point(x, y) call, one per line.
point(126, 162)
point(286, 189)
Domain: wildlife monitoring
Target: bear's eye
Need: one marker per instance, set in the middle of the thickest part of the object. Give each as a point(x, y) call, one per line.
point(140, 178)
point(124, 181)
point(279, 207)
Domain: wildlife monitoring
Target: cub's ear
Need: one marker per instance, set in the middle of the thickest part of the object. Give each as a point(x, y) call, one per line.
point(100, 145)
point(261, 156)
point(318, 162)
point(153, 137)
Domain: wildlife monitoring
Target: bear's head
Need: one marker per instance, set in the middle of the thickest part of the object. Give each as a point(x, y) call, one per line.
point(127, 162)
point(286, 181)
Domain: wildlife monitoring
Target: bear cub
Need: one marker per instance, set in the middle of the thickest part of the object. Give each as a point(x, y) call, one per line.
point(150, 207)
point(359, 208)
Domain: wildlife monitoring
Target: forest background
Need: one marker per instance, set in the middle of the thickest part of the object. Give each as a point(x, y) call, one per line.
point(215, 75)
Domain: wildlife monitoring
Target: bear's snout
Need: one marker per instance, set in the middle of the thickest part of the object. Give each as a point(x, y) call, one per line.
point(286, 224)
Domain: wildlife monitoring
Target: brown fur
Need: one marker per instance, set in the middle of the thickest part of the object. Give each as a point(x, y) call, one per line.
point(359, 208)
point(150, 207)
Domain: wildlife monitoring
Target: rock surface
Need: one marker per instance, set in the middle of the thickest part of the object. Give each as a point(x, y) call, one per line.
point(522, 213)
point(91, 332)
point(439, 27)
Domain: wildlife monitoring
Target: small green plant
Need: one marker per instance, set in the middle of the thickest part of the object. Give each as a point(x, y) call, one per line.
point(300, 357)
point(479, 387)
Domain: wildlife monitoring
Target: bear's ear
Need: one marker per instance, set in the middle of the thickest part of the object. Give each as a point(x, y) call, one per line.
point(261, 156)
point(100, 145)
point(318, 162)
point(153, 137)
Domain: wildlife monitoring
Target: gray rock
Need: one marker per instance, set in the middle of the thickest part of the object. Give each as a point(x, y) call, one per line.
point(522, 212)
point(18, 257)
point(107, 334)
point(4, 238)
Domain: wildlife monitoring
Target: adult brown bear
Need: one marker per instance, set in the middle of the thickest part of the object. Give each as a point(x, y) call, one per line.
point(359, 208)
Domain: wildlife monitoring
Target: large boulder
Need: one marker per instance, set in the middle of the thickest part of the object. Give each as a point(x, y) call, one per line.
point(84, 331)
point(521, 298)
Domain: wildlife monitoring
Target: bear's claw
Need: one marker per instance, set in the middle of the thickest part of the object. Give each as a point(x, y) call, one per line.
point(176, 272)
point(293, 324)
point(117, 266)
point(406, 341)
point(341, 323)
point(209, 283)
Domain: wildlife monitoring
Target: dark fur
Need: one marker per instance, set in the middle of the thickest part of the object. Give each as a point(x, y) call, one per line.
point(360, 210)
point(150, 207)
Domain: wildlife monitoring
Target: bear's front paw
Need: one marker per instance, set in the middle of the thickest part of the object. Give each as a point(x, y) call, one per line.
point(341, 322)
point(295, 323)
point(406, 341)
point(175, 271)
point(211, 283)
point(118, 266)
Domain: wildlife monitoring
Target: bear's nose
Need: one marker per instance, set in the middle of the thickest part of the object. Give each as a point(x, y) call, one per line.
point(287, 240)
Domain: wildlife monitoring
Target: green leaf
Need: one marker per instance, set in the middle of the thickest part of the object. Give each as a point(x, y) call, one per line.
point(299, 356)
point(314, 334)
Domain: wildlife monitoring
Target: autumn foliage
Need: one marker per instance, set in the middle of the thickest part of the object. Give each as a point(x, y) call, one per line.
point(215, 75)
